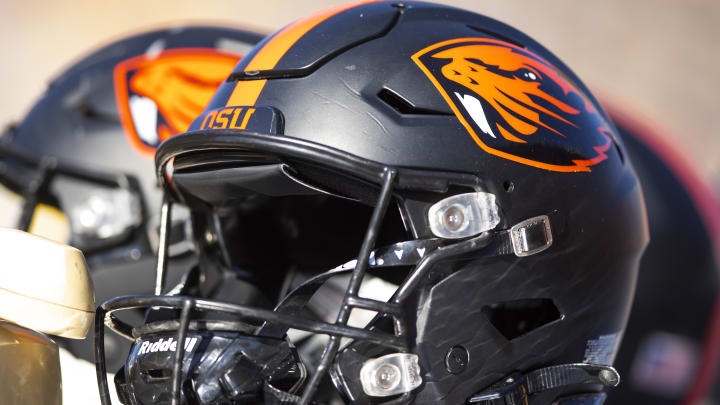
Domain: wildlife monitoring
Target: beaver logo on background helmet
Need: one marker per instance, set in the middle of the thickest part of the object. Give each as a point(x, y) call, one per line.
point(159, 95)
point(505, 96)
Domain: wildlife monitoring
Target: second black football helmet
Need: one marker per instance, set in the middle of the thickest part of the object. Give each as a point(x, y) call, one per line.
point(78, 168)
point(465, 163)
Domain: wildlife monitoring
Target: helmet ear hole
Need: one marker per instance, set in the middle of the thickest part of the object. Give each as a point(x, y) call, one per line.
point(514, 319)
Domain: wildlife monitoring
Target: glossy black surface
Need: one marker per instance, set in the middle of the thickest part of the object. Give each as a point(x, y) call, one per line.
point(342, 137)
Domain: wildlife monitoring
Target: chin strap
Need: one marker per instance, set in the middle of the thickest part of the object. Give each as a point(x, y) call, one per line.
point(274, 396)
point(517, 389)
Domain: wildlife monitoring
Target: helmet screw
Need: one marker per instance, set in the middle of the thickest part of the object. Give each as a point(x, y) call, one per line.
point(456, 360)
point(387, 377)
point(609, 378)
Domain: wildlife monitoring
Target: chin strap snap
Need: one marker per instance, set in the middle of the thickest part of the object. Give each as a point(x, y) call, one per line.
point(517, 388)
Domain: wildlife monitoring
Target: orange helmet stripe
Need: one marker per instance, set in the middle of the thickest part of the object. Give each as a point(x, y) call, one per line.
point(246, 92)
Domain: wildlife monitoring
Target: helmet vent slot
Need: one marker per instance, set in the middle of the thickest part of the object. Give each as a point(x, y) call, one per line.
point(403, 106)
point(90, 112)
point(517, 318)
point(158, 374)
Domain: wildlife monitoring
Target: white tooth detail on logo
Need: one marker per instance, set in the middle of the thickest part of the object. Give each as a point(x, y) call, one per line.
point(144, 115)
point(474, 108)
point(399, 254)
point(421, 251)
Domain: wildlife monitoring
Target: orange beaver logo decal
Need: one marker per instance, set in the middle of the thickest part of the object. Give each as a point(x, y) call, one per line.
point(515, 105)
point(160, 95)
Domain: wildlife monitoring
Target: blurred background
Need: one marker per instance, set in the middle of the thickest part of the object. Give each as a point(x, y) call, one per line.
point(658, 58)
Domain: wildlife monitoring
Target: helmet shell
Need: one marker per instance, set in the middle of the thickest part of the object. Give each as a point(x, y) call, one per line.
point(378, 81)
point(77, 120)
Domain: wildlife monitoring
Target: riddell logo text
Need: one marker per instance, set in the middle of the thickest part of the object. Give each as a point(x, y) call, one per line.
point(163, 345)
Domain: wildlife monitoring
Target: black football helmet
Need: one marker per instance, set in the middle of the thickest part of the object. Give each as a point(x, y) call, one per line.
point(79, 167)
point(431, 148)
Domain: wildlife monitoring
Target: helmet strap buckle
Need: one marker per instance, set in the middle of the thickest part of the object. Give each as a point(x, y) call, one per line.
point(518, 388)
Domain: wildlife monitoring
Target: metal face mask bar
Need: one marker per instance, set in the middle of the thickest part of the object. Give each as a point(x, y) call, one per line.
point(114, 206)
point(48, 169)
point(285, 315)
